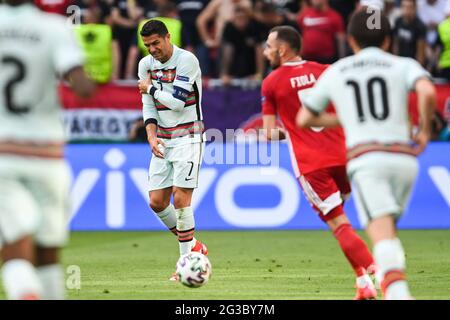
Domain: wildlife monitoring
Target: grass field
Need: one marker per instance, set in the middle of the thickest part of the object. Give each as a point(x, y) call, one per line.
point(246, 265)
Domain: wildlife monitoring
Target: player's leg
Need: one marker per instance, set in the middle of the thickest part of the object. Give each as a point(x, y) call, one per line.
point(163, 208)
point(185, 218)
point(160, 186)
point(378, 207)
point(187, 161)
point(51, 192)
point(325, 195)
point(18, 221)
point(50, 272)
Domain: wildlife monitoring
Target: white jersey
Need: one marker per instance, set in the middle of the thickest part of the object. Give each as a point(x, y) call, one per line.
point(370, 92)
point(35, 47)
point(180, 72)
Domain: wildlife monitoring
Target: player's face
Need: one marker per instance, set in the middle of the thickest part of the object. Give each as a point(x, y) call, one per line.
point(271, 51)
point(157, 46)
point(408, 9)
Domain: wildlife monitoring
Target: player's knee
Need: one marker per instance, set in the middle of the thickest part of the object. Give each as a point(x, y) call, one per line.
point(181, 198)
point(157, 204)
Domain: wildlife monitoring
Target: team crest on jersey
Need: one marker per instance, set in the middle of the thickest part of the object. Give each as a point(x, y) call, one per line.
point(165, 76)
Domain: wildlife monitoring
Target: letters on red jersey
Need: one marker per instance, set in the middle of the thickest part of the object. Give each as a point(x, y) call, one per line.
point(312, 148)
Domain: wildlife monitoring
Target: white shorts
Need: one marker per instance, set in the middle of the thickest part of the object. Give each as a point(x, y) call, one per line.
point(382, 183)
point(34, 200)
point(179, 168)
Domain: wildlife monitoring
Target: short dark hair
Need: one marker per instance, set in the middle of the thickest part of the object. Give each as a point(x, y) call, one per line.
point(154, 27)
point(365, 34)
point(289, 35)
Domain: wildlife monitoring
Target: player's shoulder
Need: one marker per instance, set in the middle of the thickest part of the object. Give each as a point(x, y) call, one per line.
point(51, 21)
point(315, 67)
point(185, 56)
point(272, 78)
point(146, 62)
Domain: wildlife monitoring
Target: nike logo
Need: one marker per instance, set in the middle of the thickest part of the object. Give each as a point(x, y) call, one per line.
point(309, 22)
point(186, 179)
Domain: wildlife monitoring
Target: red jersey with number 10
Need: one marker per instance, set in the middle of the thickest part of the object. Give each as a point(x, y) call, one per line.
point(312, 148)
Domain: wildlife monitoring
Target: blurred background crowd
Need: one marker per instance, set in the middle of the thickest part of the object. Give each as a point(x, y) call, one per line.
point(228, 36)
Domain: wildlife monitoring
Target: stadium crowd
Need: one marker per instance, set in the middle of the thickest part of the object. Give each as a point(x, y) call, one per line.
point(228, 35)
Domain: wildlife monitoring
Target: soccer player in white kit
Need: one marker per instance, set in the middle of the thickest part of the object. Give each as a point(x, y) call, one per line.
point(171, 87)
point(370, 93)
point(35, 47)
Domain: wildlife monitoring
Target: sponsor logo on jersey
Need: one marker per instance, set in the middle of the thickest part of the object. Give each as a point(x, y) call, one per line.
point(309, 22)
point(183, 78)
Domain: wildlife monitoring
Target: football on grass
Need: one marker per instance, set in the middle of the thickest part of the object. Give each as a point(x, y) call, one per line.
point(194, 269)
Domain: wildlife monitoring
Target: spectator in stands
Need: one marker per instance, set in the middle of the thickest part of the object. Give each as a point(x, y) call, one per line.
point(409, 33)
point(152, 8)
point(93, 11)
point(241, 51)
point(188, 11)
point(344, 8)
point(268, 15)
point(287, 8)
point(125, 15)
point(392, 11)
point(432, 13)
point(323, 33)
point(96, 40)
point(219, 11)
point(444, 45)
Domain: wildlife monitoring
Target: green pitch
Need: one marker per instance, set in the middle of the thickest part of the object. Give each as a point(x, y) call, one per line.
point(246, 265)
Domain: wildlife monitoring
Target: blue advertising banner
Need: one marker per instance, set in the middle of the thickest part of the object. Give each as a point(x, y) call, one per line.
point(242, 186)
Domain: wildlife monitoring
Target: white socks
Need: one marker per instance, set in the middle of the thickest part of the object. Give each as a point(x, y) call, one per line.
point(52, 279)
point(390, 258)
point(169, 217)
point(185, 227)
point(20, 280)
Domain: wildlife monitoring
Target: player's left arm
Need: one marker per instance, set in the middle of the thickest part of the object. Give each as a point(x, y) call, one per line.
point(188, 70)
point(314, 102)
point(68, 61)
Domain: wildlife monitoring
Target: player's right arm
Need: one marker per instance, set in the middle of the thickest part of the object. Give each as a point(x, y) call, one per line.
point(269, 112)
point(150, 115)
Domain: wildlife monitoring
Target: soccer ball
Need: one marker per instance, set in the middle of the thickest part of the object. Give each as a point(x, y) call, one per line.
point(194, 269)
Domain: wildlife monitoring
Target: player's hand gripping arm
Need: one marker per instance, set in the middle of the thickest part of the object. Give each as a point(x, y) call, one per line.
point(187, 71)
point(426, 101)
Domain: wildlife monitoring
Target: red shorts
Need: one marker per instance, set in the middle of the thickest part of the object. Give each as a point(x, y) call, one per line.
point(325, 190)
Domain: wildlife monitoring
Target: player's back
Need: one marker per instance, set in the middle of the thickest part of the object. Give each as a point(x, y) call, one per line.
point(314, 148)
point(370, 93)
point(34, 48)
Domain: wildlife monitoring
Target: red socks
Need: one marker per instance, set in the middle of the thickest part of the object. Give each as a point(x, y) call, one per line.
point(354, 248)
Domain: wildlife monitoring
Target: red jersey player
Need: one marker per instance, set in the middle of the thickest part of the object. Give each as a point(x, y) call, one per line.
point(319, 155)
